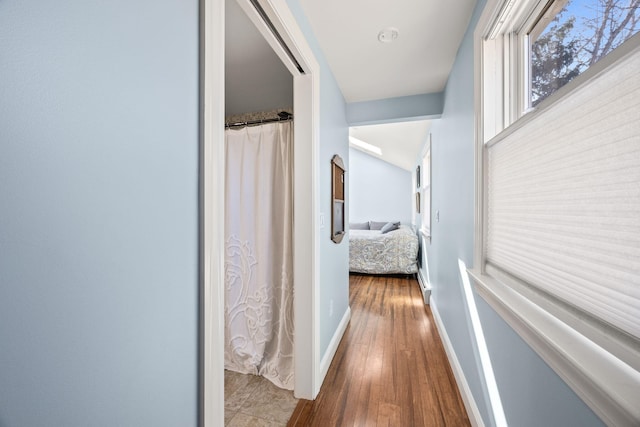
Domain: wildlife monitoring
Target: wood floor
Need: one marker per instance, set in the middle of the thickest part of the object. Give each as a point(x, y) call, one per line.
point(390, 368)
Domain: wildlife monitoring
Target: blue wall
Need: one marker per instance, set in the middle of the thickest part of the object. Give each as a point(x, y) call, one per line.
point(452, 178)
point(379, 191)
point(531, 393)
point(98, 213)
point(401, 109)
point(334, 139)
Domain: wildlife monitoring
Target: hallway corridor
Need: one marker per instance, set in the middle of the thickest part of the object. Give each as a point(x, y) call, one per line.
point(390, 368)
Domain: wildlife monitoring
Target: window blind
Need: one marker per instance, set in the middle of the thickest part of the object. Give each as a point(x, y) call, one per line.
point(563, 200)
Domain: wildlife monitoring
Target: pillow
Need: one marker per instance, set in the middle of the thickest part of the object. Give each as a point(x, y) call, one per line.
point(359, 225)
point(374, 225)
point(390, 226)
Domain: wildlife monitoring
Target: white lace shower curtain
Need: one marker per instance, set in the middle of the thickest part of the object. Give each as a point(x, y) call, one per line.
point(258, 259)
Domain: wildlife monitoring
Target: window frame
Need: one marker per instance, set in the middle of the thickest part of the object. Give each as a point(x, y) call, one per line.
point(573, 348)
point(425, 165)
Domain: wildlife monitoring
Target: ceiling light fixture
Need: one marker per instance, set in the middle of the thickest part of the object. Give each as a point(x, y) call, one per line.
point(388, 35)
point(365, 146)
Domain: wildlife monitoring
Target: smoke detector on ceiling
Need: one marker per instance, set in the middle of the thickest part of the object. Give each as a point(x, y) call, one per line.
point(387, 35)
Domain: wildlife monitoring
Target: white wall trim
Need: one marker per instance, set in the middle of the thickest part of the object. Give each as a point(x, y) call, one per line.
point(467, 397)
point(212, 215)
point(306, 272)
point(306, 195)
point(333, 345)
point(424, 287)
point(306, 243)
point(306, 239)
point(606, 384)
point(262, 27)
point(423, 271)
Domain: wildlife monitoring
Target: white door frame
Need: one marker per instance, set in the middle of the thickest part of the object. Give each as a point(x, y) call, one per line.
point(306, 233)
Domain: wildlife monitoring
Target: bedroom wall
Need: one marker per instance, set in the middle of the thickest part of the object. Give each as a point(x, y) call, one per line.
point(334, 139)
point(530, 392)
point(378, 190)
point(99, 213)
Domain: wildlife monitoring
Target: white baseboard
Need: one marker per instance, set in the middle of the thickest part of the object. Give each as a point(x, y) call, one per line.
point(333, 345)
point(424, 287)
point(469, 402)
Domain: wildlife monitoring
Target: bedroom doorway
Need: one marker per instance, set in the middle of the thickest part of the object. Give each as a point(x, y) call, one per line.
point(383, 161)
point(285, 37)
point(385, 193)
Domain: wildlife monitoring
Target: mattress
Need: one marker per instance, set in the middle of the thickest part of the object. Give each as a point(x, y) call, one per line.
point(373, 252)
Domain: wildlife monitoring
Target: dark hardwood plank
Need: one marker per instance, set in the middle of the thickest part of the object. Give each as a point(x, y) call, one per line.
point(390, 368)
point(300, 413)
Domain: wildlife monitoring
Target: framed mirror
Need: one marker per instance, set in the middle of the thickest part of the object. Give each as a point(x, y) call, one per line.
point(337, 199)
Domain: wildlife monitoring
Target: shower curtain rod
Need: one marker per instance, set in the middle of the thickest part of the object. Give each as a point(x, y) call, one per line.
point(283, 116)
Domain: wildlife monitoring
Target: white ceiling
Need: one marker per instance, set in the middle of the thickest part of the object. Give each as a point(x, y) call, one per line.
point(400, 142)
point(417, 62)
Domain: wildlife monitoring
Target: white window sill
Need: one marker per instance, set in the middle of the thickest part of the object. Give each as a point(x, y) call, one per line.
point(609, 386)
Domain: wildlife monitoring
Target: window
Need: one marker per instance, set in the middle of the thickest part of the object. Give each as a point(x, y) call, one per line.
point(426, 190)
point(570, 36)
point(536, 47)
point(558, 231)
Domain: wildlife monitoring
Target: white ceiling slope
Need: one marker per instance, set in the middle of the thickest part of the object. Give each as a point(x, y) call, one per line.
point(400, 142)
point(417, 62)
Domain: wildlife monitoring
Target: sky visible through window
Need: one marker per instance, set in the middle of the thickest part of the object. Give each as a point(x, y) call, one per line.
point(578, 36)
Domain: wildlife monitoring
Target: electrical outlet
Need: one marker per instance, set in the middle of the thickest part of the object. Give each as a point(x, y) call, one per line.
point(437, 216)
point(321, 220)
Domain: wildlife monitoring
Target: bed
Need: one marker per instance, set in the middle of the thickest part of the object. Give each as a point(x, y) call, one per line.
point(375, 252)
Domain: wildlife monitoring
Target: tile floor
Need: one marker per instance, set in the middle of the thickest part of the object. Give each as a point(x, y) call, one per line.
point(252, 401)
